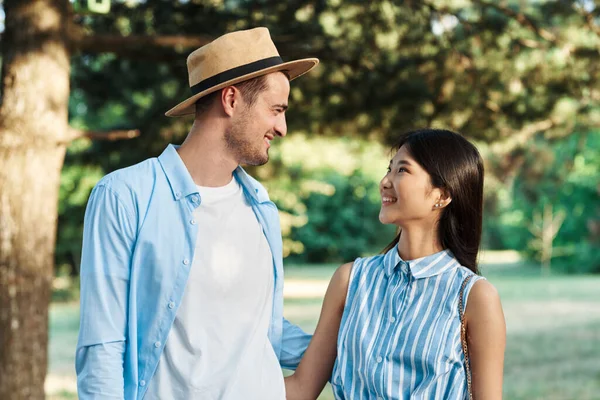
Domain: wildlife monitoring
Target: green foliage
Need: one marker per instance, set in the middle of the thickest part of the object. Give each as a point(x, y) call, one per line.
point(564, 174)
point(78, 177)
point(512, 75)
point(343, 225)
point(328, 195)
point(487, 69)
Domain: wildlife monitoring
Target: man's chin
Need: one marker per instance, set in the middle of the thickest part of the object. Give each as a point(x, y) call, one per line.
point(257, 161)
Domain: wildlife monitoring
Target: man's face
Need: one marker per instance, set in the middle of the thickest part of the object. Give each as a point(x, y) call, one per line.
point(256, 125)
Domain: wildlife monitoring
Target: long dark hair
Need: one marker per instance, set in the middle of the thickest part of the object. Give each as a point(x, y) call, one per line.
point(454, 164)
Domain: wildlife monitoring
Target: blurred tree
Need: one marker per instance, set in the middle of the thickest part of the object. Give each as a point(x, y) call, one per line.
point(564, 175)
point(498, 72)
point(544, 228)
point(34, 134)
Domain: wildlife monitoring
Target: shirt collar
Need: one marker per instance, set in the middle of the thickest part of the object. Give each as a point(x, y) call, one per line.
point(423, 267)
point(182, 184)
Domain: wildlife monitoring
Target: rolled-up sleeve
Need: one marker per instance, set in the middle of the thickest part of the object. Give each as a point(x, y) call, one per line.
point(294, 342)
point(108, 240)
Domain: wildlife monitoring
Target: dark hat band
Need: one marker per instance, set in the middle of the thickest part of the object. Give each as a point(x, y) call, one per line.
point(236, 73)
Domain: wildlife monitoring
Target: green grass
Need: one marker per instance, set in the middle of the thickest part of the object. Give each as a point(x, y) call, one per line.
point(553, 325)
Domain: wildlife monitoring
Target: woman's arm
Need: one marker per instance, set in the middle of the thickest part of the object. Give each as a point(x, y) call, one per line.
point(486, 339)
point(316, 365)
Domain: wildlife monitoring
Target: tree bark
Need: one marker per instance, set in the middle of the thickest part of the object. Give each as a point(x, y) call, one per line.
point(33, 139)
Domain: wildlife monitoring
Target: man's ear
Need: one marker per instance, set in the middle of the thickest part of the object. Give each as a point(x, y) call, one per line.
point(230, 99)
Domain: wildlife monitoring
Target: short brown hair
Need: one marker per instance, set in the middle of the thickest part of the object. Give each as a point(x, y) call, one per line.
point(250, 90)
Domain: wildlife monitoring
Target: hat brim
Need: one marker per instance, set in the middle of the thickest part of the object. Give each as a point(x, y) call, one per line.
point(294, 69)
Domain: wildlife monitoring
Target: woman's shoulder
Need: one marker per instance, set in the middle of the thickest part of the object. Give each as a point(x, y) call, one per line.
point(346, 272)
point(368, 262)
point(480, 295)
point(342, 274)
point(483, 294)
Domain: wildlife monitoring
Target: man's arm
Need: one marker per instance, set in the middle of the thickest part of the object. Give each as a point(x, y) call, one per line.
point(108, 239)
point(294, 342)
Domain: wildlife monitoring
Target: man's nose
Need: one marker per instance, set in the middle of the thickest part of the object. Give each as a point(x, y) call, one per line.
point(281, 127)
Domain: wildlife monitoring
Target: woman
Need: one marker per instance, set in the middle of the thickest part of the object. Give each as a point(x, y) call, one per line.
point(394, 320)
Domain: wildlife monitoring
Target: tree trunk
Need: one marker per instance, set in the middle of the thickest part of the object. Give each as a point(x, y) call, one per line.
point(33, 138)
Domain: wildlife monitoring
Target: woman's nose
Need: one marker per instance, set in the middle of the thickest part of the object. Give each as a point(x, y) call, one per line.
point(385, 182)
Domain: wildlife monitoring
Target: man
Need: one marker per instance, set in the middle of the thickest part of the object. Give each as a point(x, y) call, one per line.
point(181, 273)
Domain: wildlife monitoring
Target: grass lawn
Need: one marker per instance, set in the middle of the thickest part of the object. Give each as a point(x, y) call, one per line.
point(553, 325)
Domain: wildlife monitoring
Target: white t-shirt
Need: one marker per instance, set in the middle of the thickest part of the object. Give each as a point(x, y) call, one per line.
point(218, 347)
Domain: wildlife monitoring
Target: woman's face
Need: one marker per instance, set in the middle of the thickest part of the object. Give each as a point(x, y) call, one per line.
point(406, 193)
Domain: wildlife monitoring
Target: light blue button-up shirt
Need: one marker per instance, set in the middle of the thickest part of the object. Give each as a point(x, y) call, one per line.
point(138, 245)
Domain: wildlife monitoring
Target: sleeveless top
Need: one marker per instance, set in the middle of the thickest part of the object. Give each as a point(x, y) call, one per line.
point(399, 337)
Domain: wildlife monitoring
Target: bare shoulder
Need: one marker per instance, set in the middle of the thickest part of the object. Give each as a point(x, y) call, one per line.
point(483, 302)
point(338, 287)
point(343, 272)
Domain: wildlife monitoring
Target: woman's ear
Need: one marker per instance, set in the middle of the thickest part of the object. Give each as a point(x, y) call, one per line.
point(443, 200)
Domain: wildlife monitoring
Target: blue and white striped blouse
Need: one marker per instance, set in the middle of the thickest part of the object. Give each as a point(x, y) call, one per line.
point(400, 332)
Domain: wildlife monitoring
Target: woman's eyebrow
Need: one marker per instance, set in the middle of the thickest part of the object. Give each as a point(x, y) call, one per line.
point(401, 162)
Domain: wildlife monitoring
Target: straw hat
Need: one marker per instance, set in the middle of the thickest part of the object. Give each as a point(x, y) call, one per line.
point(234, 58)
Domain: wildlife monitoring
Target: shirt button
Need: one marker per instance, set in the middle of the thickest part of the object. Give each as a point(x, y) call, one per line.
point(379, 359)
point(392, 319)
point(195, 199)
point(171, 305)
point(142, 383)
point(193, 222)
point(178, 194)
point(157, 344)
point(186, 261)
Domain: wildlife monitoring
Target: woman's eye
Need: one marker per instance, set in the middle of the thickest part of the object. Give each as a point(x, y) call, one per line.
point(389, 169)
point(402, 169)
